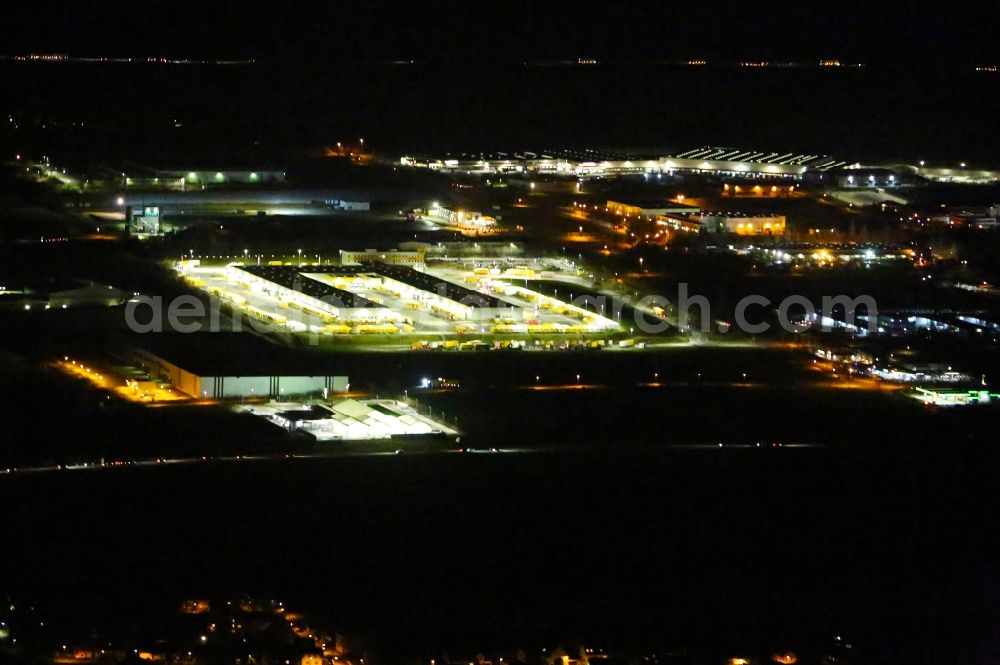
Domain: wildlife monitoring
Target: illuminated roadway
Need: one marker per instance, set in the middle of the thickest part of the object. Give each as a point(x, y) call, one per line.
point(178, 461)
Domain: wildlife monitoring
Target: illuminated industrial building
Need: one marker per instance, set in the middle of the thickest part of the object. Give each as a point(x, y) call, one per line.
point(596, 163)
point(181, 179)
point(350, 419)
point(740, 224)
point(942, 397)
point(210, 379)
point(337, 291)
point(651, 208)
point(143, 221)
point(467, 220)
point(753, 191)
point(392, 257)
point(383, 299)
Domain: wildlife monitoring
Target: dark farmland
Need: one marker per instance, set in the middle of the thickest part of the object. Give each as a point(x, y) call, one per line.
point(597, 521)
point(623, 547)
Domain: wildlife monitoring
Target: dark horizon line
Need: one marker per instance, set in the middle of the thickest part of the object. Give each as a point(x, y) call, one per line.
point(56, 56)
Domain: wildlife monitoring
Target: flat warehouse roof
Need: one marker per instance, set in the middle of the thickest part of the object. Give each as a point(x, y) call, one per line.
point(288, 276)
point(428, 282)
point(294, 278)
point(235, 354)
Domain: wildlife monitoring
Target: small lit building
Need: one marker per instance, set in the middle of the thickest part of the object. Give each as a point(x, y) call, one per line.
point(648, 208)
point(920, 373)
point(845, 354)
point(350, 419)
point(678, 223)
point(143, 221)
point(469, 220)
point(349, 206)
point(61, 294)
point(393, 257)
point(756, 191)
point(986, 220)
point(942, 397)
point(510, 251)
point(740, 224)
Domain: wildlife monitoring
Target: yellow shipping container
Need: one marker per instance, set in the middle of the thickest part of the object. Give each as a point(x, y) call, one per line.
point(373, 329)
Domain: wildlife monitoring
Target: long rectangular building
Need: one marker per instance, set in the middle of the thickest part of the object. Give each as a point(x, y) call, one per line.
point(214, 380)
point(596, 163)
point(294, 280)
point(338, 290)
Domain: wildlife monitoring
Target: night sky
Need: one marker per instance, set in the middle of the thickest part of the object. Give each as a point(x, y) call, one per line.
point(343, 31)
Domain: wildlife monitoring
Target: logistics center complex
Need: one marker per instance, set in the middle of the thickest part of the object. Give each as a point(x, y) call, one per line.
point(379, 298)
